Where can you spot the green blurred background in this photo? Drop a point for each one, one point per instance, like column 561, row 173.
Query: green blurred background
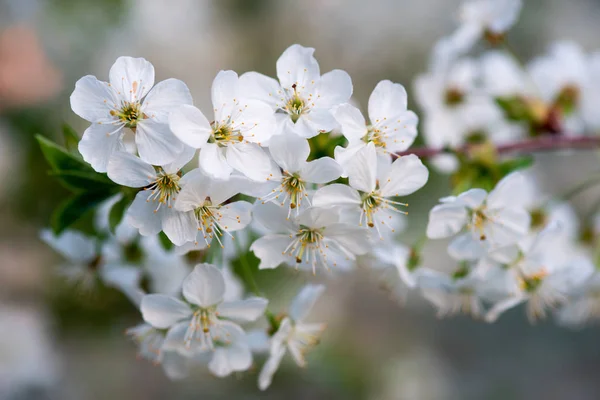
column 65, row 346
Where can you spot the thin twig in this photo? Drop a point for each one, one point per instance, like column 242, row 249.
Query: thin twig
column 540, row 144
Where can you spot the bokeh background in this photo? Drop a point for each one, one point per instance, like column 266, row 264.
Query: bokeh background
column 56, row 343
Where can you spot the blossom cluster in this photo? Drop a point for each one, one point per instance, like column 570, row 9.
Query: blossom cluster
column 263, row 171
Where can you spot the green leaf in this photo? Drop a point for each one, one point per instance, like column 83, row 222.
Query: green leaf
column 71, row 138
column 117, row 212
column 165, row 241
column 515, row 164
column 60, row 159
column 85, row 181
column 74, row 208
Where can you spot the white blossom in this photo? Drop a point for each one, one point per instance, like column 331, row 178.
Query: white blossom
column 128, row 101
column 302, row 99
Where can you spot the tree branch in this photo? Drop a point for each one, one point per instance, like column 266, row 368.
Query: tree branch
column 544, row 143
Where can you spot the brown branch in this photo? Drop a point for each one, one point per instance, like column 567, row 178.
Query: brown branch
column 545, row 143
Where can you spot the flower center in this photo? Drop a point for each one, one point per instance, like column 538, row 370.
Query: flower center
column 307, row 244
column 370, row 203
column 376, row 136
column 224, row 135
column 202, row 327
column 453, row 97
column 478, row 221
column 295, row 105
column 294, row 187
column 165, row 188
column 130, row 114
column 532, row 282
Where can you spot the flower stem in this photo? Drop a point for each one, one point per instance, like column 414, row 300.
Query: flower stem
column 535, row 145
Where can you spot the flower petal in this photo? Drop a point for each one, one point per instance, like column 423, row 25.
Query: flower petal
column 180, row 227
column 224, row 95
column 98, row 143
column 335, row 87
column 298, row 66
column 243, row 310
column 165, row 97
column 190, row 126
column 235, row 216
column 131, row 77
column 162, row 311
column 352, row 122
column 143, row 215
column 93, row 100
column 386, row 100
column 336, row 195
column 446, row 220
column 128, row 170
column 305, row 301
column 260, row 87
column 213, row 162
column 72, row 245
column 289, row 151
column 270, row 250
column 274, row 218
column 321, row 170
column 251, row 160
column 156, row 143
column 406, row 176
column 362, row 169
column 205, row 286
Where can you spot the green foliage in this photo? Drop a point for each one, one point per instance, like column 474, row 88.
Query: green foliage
column 164, row 241
column 324, row 144
column 117, row 212
column 89, row 187
column 71, row 138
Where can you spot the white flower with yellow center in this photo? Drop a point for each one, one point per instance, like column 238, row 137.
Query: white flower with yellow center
column 315, row 238
column 294, row 335
column 392, row 127
column 204, row 318
column 302, row 99
column 233, row 139
column 372, row 187
column 152, row 210
column 494, row 220
column 129, row 101
column 205, row 198
column 290, row 186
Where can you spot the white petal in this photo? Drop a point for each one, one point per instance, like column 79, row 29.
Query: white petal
column 400, row 132
column 194, row 192
column 466, row 247
column 353, row 239
column 142, row 214
column 253, row 85
column 165, row 97
column 446, row 220
column 269, row 249
column 180, row 227
column 224, row 94
column 322, row 170
column 472, row 198
column 305, row 301
column 289, row 151
column 98, row 143
column 235, row 216
column 336, row 195
column 511, row 191
column 346, row 155
column 386, row 101
column 335, row 87
column 72, row 245
column 255, row 120
column 251, row 160
column 508, row 226
column 175, row 365
column 128, row 170
column 274, row 218
column 162, row 311
column 362, row 169
column 494, row 313
column 93, row 100
column 190, row 126
column 221, row 190
column 269, row 368
column 131, row 77
column 156, row 143
column 213, row 162
column 352, row 122
column 240, row 357
column 297, row 65
column 318, row 120
column 243, row 310
column 318, row 217
column 406, row 176
column 205, row 286
column 180, row 160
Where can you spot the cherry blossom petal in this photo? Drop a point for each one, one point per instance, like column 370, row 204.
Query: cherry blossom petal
column 162, row 311
column 205, row 286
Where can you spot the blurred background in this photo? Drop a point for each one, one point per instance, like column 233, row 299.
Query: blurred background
column 56, row 343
